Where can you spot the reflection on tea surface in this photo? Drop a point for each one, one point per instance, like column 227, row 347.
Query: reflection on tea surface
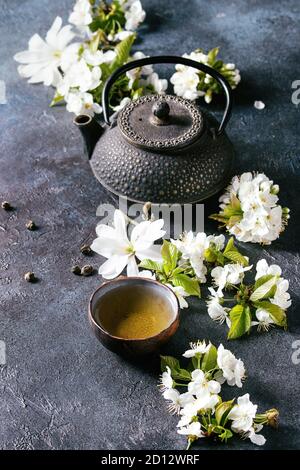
column 134, row 312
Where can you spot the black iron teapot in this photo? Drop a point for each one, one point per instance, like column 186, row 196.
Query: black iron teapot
column 160, row 148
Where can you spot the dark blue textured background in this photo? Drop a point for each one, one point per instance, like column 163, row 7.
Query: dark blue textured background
column 60, row 388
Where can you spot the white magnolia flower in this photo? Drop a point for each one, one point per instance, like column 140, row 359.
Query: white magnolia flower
column 193, row 430
column 178, row 400
column 261, row 220
column 98, row 57
column 114, row 244
column 134, row 15
column 79, row 75
column 41, row 61
column 197, row 348
column 166, row 381
column 264, row 320
column 200, row 386
column 185, row 83
column 159, row 85
column 81, row 14
column 214, row 308
column 192, row 249
column 233, row 369
column 242, row 414
column 254, row 437
column 230, row 274
column 82, row 103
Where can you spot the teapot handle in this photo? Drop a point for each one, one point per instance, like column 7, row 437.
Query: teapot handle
column 169, row 60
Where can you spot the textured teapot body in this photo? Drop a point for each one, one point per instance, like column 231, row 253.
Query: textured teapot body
column 160, row 148
column 189, row 174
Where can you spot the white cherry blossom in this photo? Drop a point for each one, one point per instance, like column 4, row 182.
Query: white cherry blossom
column 200, row 386
column 264, row 321
column 193, row 430
column 180, row 294
column 159, row 85
column 233, row 369
column 230, row 274
column 81, row 14
column 134, row 15
column 166, row 381
column 82, row 103
column 200, row 347
column 178, row 400
column 215, row 310
column 242, row 414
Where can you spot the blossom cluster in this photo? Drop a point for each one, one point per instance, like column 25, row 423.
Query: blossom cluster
column 250, row 210
column 202, row 411
column 77, row 59
column 262, row 304
column 188, row 262
column 191, row 83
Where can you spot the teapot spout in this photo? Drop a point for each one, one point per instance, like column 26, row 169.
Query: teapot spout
column 90, row 130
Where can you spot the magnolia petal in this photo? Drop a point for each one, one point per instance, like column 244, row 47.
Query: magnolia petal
column 120, row 224
column 52, row 33
column 113, row 266
column 132, row 268
column 153, row 253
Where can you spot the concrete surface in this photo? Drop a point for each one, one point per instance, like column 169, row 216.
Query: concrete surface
column 60, row 389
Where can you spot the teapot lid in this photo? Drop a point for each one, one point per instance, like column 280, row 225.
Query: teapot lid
column 158, row 122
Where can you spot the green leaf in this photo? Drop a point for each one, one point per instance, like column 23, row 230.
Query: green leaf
column 236, row 257
column 169, row 254
column 222, row 411
column 240, row 317
column 225, row 435
column 219, row 218
column 212, row 54
column 56, row 99
column 190, row 285
column 169, row 361
column 209, row 255
column 195, row 361
column 235, row 203
column 209, row 360
column 230, row 246
column 277, row 314
column 122, row 51
column 233, row 220
column 149, row 264
column 176, row 371
column 262, row 288
column 181, row 374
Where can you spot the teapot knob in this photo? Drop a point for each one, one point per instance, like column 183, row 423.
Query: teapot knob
column 161, row 111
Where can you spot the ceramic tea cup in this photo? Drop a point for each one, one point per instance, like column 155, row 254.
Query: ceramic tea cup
column 133, row 315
